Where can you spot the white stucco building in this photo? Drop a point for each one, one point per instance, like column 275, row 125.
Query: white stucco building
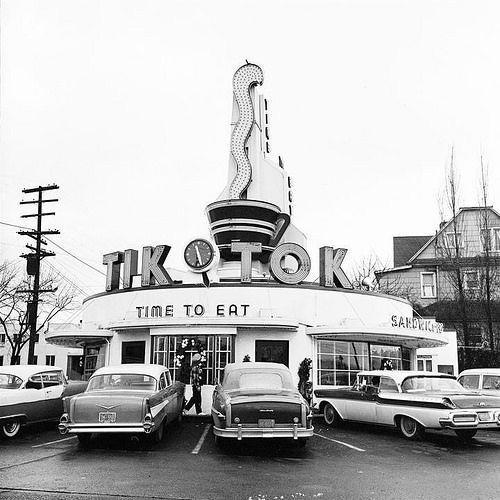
column 246, row 293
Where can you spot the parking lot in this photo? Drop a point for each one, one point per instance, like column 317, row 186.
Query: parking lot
column 353, row 461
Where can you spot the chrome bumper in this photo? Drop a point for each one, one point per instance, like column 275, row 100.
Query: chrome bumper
column 471, row 420
column 67, row 427
column 240, row 432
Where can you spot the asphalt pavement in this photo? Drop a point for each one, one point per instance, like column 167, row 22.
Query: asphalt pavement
column 350, row 462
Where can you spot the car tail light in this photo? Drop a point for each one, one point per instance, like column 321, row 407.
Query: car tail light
column 237, row 420
column 448, row 403
column 296, row 420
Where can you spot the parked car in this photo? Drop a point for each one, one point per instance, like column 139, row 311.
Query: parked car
column 32, row 393
column 412, row 401
column 130, row 398
column 259, row 400
column 484, row 380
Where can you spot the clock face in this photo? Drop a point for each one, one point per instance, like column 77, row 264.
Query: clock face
column 199, row 254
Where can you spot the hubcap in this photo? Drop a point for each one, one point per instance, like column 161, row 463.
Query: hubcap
column 409, row 426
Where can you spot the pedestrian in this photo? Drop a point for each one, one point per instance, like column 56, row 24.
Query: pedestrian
column 196, row 383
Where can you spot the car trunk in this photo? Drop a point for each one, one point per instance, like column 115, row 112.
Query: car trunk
column 128, row 406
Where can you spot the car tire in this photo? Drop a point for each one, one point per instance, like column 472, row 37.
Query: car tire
column 302, row 442
column 330, row 415
column 11, row 429
column 221, row 442
column 465, row 435
column 410, row 428
column 85, row 439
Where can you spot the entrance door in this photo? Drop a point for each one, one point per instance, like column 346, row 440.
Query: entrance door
column 272, row 351
column 133, row 352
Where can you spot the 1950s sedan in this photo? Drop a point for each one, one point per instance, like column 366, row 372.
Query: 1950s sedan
column 412, row 401
column 259, row 400
column 32, row 393
column 130, row 398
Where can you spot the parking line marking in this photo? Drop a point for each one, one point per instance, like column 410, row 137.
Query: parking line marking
column 200, row 441
column 340, row 442
column 53, row 442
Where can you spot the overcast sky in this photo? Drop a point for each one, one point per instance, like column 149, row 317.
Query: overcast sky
column 125, row 104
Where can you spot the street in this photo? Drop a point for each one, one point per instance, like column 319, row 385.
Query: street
column 353, row 461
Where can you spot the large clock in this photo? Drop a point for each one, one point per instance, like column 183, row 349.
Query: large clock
column 199, row 254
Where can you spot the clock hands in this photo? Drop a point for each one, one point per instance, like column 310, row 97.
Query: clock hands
column 198, row 254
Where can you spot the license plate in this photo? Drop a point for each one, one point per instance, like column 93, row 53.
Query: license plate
column 107, row 417
column 266, row 422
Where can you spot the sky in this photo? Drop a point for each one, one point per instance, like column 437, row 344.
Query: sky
column 125, row 104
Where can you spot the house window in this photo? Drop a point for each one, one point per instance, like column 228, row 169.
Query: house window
column 1, row 360
column 50, row 360
column 2, row 338
column 451, row 242
column 471, row 281
column 475, row 335
column 35, row 360
column 496, row 239
column 428, row 285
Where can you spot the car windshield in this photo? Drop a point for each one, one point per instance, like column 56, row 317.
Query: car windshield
column 431, row 384
column 122, row 381
column 242, row 379
column 8, row 381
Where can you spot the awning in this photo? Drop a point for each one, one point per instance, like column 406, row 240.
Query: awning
column 76, row 338
column 380, row 335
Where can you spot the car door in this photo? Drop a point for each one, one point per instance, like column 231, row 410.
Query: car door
column 362, row 400
column 386, row 409
column 34, row 402
column 53, row 387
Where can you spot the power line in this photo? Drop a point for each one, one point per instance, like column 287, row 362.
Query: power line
column 58, row 246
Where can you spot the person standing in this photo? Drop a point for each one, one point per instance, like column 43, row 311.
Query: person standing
column 196, row 383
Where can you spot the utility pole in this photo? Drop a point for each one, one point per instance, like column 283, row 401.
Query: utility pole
column 34, row 258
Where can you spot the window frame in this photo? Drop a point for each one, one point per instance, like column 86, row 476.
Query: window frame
column 434, row 284
column 460, row 239
column 466, row 282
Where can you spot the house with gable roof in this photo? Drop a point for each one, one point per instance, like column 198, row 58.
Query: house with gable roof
column 454, row 276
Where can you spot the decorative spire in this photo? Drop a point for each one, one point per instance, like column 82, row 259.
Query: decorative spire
column 244, row 79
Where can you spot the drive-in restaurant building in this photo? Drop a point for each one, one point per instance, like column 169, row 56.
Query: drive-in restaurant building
column 238, row 295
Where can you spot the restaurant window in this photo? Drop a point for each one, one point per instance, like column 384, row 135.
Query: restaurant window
column 93, row 359
column 406, row 354
column 50, row 360
column 338, row 362
column 428, row 285
column 1, row 360
column 35, row 360
column 219, row 351
column 383, row 355
column 2, row 338
column 424, row 365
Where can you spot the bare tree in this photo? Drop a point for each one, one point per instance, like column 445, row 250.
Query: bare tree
column 449, row 250
column 370, row 274
column 488, row 276
column 14, row 306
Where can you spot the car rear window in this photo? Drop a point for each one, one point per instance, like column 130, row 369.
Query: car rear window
column 8, row 381
column 122, row 381
column 258, row 380
column 491, row 382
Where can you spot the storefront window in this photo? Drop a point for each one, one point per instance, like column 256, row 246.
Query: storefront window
column 219, row 351
column 339, row 362
column 94, row 359
column 381, row 355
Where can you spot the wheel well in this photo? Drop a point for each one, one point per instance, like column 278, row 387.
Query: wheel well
column 397, row 419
